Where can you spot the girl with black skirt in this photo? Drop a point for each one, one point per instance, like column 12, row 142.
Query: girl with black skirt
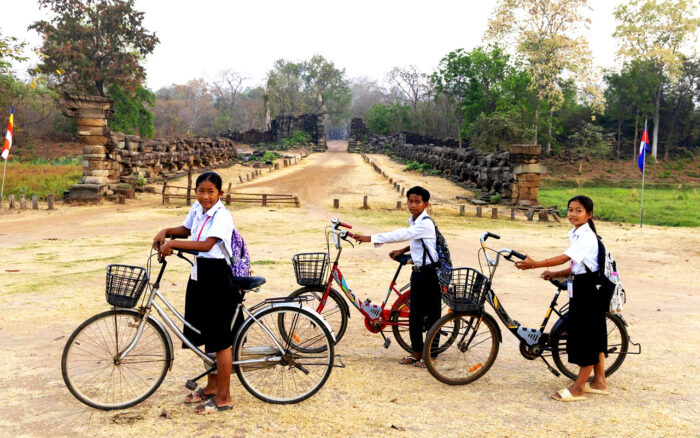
column 587, row 336
column 212, row 297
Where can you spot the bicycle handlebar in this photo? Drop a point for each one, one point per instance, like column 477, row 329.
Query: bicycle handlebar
column 337, row 223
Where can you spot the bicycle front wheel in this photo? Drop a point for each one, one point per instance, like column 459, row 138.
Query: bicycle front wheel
column 471, row 351
column 96, row 376
column 618, row 343
column 335, row 311
column 283, row 355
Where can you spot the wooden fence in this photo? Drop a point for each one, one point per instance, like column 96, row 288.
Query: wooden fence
column 229, row 197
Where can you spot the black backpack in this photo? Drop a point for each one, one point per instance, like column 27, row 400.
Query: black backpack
column 444, row 262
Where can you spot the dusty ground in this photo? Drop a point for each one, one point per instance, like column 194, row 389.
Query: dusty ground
column 52, row 278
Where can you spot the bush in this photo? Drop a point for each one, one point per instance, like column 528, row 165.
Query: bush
column 423, row 168
column 388, row 119
column 495, row 199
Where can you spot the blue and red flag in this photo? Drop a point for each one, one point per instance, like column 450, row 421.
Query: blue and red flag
column 643, row 148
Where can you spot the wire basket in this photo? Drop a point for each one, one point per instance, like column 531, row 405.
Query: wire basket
column 310, row 268
column 466, row 291
column 125, row 284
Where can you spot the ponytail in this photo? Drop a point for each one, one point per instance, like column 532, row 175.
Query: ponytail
column 587, row 204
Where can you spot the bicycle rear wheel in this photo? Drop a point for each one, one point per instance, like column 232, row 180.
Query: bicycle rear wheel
column 400, row 329
column 94, row 374
column 618, row 343
column 293, row 374
column 335, row 311
column 471, row 352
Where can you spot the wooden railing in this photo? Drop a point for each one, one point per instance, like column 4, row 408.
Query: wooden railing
column 229, row 197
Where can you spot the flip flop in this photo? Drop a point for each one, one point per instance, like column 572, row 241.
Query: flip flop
column 200, row 396
column 592, row 390
column 565, row 396
column 209, row 407
column 408, row 360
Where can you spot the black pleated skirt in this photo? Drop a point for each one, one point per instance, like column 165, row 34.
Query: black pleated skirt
column 210, row 305
column 587, row 333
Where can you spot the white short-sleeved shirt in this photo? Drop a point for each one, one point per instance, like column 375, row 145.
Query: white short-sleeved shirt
column 583, row 249
column 215, row 222
column 420, row 229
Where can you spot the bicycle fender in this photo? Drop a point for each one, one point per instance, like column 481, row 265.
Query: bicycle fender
column 498, row 327
column 167, row 336
column 559, row 322
column 618, row 315
column 292, row 305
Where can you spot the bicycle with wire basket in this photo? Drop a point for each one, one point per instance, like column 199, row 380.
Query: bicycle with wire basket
column 282, row 353
column 311, row 271
column 474, row 350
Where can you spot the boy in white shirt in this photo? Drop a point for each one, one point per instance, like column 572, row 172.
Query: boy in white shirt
column 425, row 287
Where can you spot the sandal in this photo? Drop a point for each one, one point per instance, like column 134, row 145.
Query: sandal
column 198, row 396
column 408, row 360
column 589, row 389
column 419, row 364
column 209, row 407
column 566, row 396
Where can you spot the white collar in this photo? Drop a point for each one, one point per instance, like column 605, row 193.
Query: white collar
column 580, row 230
column 214, row 208
column 420, row 217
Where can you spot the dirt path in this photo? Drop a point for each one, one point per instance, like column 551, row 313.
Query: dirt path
column 47, row 287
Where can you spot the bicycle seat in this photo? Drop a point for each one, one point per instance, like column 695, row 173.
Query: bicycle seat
column 248, row 283
column 404, row 259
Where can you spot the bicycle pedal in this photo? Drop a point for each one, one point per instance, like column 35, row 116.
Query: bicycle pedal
column 387, row 342
column 191, row 385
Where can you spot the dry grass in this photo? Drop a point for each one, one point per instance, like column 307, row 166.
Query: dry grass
column 60, row 283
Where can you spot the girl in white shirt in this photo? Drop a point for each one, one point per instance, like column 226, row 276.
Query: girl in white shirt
column 212, row 296
column 587, row 335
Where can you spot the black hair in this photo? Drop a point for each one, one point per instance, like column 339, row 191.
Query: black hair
column 420, row 191
column 212, row 177
column 587, row 204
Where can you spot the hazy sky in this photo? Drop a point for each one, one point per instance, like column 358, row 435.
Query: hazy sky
column 367, row 38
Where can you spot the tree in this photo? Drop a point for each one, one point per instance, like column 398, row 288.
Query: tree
column 325, row 88
column 11, row 49
column 656, row 32
column 130, row 113
column 284, row 88
column 92, row 44
column 452, row 80
column 547, row 33
column 388, row 119
column 408, row 85
column 680, row 104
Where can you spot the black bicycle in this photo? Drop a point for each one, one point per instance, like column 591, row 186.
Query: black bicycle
column 474, row 350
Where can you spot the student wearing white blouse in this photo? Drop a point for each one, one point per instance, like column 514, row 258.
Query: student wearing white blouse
column 587, row 335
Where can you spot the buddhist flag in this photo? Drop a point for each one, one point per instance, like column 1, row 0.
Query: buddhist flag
column 643, row 148
column 8, row 137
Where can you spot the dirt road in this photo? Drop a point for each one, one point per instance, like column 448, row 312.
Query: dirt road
column 47, row 287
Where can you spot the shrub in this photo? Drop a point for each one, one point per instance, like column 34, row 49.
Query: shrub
column 495, row 199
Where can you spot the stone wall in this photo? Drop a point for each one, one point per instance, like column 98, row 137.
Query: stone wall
column 282, row 127
column 514, row 174
column 113, row 158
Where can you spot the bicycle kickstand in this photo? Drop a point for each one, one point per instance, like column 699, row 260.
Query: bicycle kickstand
column 387, row 341
column 549, row 367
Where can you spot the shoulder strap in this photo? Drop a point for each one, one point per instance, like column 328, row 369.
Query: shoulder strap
column 425, row 248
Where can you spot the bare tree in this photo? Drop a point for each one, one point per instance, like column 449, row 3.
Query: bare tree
column 408, row 85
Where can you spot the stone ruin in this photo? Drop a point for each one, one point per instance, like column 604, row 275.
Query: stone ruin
column 282, row 127
column 515, row 174
column 112, row 159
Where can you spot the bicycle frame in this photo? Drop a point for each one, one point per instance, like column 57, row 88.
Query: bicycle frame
column 150, row 303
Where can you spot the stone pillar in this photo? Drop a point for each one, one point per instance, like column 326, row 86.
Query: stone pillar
column 92, row 113
column 525, row 161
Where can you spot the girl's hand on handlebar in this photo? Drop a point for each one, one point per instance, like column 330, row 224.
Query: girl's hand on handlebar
column 528, row 263
column 165, row 249
column 547, row 275
column 160, row 238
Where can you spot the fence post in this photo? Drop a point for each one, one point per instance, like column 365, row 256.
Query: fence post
column 240, row 178
column 494, row 213
column 530, row 213
column 543, row 216
column 364, row 203
column 512, row 214
column 296, row 202
column 189, row 182
column 461, row 210
column 228, row 194
column 35, row 202
column 49, row 198
column 164, row 193
column 398, row 205
column 22, row 203
column 264, row 200
column 478, row 211
column 402, row 188
column 336, row 203
column 11, row 200
column 121, row 199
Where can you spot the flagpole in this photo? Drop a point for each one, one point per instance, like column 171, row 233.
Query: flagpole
column 644, row 170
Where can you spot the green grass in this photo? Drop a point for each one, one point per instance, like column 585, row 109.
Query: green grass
column 41, row 177
column 662, row 206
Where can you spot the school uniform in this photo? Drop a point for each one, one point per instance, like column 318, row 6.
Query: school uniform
column 212, row 296
column 587, row 334
column 425, row 287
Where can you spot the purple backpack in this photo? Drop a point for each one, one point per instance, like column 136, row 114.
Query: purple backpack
column 240, row 261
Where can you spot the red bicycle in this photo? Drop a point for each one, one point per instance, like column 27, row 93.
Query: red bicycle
column 310, row 270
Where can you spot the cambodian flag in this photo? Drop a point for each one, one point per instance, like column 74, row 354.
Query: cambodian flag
column 7, row 144
column 643, row 148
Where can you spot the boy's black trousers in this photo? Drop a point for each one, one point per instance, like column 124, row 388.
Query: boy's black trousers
column 425, row 307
